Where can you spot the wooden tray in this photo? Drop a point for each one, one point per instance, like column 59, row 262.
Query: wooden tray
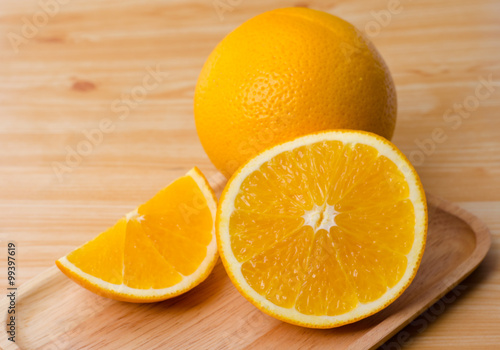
column 53, row 312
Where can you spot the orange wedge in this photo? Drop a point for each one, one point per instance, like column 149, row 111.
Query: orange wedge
column 323, row 230
column 163, row 248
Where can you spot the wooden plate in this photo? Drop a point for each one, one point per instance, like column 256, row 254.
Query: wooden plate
column 53, row 312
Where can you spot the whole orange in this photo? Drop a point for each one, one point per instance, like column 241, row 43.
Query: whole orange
column 286, row 73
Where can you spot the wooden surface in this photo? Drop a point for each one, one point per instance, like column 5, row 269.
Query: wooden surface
column 54, row 312
column 79, row 64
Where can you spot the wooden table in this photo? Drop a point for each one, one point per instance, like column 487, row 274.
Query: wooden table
column 73, row 66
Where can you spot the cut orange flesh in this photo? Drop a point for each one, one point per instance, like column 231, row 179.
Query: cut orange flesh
column 323, row 230
column 162, row 249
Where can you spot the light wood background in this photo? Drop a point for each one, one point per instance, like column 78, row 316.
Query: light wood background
column 66, row 68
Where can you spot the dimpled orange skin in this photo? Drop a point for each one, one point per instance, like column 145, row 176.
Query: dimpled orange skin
column 287, row 73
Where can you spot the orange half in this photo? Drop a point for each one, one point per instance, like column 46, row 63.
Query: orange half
column 323, row 230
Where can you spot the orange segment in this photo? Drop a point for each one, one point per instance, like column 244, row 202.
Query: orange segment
column 253, row 233
column 103, row 256
column 181, row 207
column 162, row 249
column 367, row 264
column 353, row 167
column 180, row 251
column 138, row 272
column 326, row 290
column 269, row 200
column 385, row 183
column 325, row 229
column 389, row 225
column 265, row 272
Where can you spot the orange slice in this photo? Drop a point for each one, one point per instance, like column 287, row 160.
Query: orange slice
column 323, row 230
column 163, row 248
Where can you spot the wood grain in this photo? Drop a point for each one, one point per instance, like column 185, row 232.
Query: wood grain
column 54, row 312
column 66, row 78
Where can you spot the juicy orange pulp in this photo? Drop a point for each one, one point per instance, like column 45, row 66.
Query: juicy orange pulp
column 155, row 247
column 323, row 228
